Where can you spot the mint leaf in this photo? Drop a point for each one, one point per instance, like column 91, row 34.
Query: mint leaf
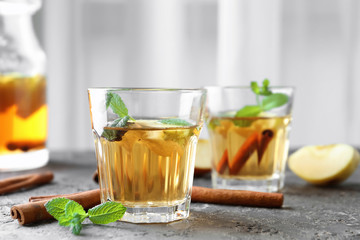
column 120, row 122
column 175, row 121
column 254, row 87
column 109, row 134
column 106, row 213
column 264, row 91
column 75, row 223
column 266, row 83
column 274, row 100
column 65, row 220
column 108, row 99
column 56, row 207
column 113, row 134
column 74, row 216
column 116, row 103
column 249, row 111
column 76, row 228
column 73, row 207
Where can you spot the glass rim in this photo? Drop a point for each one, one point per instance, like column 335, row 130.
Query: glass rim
column 137, row 89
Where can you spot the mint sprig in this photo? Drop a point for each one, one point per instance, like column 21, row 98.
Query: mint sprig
column 271, row 100
column 71, row 214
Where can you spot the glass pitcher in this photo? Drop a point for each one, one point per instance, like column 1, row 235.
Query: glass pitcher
column 23, row 108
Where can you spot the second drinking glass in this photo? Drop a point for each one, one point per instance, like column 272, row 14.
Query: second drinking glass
column 249, row 136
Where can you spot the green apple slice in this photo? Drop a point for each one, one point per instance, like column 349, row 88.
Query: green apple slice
column 324, row 165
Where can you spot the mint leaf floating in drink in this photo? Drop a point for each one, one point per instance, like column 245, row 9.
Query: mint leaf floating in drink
column 271, row 100
column 249, row 111
column 120, row 122
column 175, row 121
column 71, row 214
column 110, row 134
column 106, row 213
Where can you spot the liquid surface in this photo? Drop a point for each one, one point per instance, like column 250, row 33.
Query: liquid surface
column 23, row 113
column 249, row 148
column 147, row 164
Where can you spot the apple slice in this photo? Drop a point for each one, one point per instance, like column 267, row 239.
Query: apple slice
column 202, row 158
column 324, row 165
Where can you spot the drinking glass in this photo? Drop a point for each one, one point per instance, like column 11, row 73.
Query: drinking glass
column 249, row 147
column 145, row 143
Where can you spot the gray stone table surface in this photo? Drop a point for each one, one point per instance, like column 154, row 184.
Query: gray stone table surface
column 308, row 213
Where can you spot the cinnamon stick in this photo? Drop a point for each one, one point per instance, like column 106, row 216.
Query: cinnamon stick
column 223, row 163
column 13, row 184
column 237, row 197
column 198, row 172
column 243, row 154
column 264, row 140
column 35, row 211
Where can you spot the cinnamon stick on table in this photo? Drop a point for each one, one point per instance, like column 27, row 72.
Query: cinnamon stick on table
column 13, row 184
column 237, row 197
column 35, row 210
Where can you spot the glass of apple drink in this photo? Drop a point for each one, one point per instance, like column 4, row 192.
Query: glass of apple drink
column 249, row 128
column 145, row 142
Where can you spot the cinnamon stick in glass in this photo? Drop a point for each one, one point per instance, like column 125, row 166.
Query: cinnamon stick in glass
column 264, row 140
column 242, row 155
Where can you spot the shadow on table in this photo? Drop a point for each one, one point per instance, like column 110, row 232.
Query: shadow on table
column 217, row 224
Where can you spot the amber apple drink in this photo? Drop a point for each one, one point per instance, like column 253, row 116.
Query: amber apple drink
column 249, row 148
column 147, row 163
column 23, row 118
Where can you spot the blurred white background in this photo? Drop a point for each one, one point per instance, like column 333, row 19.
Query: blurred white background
column 312, row 45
